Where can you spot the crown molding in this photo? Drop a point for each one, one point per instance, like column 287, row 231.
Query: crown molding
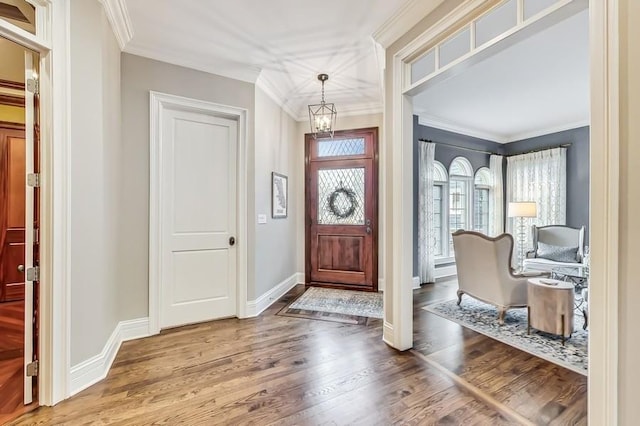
column 439, row 123
column 118, row 17
column 228, row 69
column 404, row 19
column 547, row 131
column 271, row 90
column 426, row 120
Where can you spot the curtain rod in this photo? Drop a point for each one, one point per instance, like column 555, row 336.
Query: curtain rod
column 564, row 145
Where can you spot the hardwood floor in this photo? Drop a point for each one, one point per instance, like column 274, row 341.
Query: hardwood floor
column 11, row 359
column 290, row 371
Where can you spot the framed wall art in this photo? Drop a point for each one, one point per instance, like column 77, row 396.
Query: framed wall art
column 279, row 195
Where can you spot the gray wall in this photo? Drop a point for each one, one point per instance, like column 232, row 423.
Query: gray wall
column 577, row 169
column 95, row 163
column 139, row 76
column 445, row 154
column 275, row 249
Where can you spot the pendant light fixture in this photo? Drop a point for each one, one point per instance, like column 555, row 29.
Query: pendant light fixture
column 322, row 116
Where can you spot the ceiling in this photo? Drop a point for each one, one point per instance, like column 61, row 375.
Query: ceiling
column 281, row 44
column 537, row 86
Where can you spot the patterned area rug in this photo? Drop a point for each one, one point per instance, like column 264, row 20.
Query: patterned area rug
column 345, row 306
column 482, row 318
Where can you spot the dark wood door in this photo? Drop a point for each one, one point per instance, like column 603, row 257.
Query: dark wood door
column 12, row 213
column 342, row 210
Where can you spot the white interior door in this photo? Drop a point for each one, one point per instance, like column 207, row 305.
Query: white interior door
column 198, row 219
column 30, row 76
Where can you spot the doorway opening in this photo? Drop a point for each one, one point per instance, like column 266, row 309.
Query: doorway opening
column 19, row 223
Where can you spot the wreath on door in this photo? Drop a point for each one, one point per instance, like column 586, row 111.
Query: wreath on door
column 343, row 211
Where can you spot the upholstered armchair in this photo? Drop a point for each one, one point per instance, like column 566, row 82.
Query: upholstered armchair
column 485, row 273
column 555, row 246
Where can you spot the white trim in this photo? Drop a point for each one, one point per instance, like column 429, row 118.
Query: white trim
column 416, row 283
column 118, row 16
column 22, row 37
column 300, row 277
column 381, row 284
column 387, row 333
column 157, row 103
column 97, row 367
column 449, row 126
column 604, row 218
column 229, row 69
column 403, row 19
column 256, row 307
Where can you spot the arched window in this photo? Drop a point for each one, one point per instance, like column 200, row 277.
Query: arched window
column 482, row 186
column 460, row 196
column 439, row 206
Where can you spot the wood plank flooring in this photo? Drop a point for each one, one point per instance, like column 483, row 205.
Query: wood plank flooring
column 290, row 371
column 11, row 359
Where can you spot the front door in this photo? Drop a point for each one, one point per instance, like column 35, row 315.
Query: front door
column 342, row 210
column 198, row 219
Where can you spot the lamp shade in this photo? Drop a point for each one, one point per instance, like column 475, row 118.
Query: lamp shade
column 522, row 209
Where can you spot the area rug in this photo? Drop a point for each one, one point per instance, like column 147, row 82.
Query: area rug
column 482, row 318
column 345, row 306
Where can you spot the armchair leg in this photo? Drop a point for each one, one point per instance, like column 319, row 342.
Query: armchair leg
column 501, row 314
column 460, row 293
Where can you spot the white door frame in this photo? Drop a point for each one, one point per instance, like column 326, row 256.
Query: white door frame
column 604, row 193
column 158, row 103
column 52, row 33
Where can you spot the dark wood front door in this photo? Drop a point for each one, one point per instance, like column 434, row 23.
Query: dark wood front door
column 341, row 186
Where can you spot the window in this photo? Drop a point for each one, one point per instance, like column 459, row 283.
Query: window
column 460, row 179
column 482, row 184
column 460, row 201
column 439, row 193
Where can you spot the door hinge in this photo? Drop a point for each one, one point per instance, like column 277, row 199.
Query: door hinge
column 33, row 86
column 33, row 274
column 33, row 180
column 32, row 369
column 36, row 236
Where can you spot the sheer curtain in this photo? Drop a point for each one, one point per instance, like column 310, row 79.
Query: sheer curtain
column 496, row 198
column 540, row 177
column 426, row 240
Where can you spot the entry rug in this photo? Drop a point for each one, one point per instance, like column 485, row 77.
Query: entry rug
column 345, row 306
column 483, row 318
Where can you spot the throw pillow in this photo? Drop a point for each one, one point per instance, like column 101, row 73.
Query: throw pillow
column 557, row 253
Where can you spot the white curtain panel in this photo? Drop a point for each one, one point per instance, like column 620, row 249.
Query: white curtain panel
column 496, row 198
column 426, row 238
column 541, row 177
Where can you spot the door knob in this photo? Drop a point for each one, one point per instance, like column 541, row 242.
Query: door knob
column 232, row 241
column 368, row 230
column 20, row 268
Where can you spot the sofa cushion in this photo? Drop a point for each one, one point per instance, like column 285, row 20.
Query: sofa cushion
column 545, row 265
column 557, row 253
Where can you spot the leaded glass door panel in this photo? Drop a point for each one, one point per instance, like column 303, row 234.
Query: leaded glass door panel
column 341, row 210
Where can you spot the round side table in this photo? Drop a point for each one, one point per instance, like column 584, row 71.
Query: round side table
column 550, row 306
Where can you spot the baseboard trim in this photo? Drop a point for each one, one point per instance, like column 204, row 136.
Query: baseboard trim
column 256, row 307
column 416, row 282
column 387, row 333
column 96, row 368
column 380, row 284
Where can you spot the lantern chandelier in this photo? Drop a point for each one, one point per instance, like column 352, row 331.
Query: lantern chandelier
column 322, row 116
